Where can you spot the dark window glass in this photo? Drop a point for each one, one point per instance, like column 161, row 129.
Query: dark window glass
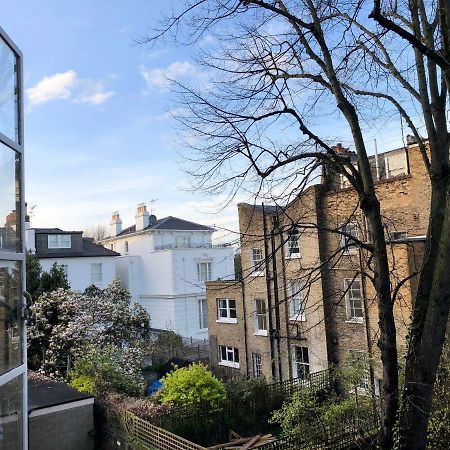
column 10, row 323
column 11, row 415
column 8, row 93
column 9, row 200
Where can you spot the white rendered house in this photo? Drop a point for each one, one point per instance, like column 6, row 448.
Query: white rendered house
column 164, row 264
column 84, row 262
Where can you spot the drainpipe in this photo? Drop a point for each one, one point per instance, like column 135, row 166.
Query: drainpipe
column 245, row 328
column 276, row 299
column 269, row 294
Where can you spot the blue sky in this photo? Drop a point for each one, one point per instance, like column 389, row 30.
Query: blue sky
column 98, row 134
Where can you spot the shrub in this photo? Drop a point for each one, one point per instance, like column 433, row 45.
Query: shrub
column 192, row 386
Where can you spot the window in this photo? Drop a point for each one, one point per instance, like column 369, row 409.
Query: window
column 96, row 273
column 293, row 249
column 226, row 310
column 260, row 317
column 59, row 241
column 358, row 362
column 397, row 235
column 347, row 243
column 183, row 242
column 126, row 246
column 257, row 261
column 297, row 304
column 257, row 365
column 353, row 299
column 202, row 313
column 301, row 362
column 204, row 271
column 228, row 356
column 65, row 268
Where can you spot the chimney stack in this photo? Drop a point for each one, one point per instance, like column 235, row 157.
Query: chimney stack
column 116, row 224
column 142, row 217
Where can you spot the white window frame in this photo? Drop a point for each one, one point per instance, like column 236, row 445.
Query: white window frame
column 202, row 314
column 348, row 246
column 231, row 356
column 350, row 298
column 293, row 243
column 300, row 366
column 59, row 241
column 257, row 262
column 260, row 317
column 228, row 308
column 297, row 295
column 95, row 278
column 65, row 268
column 257, row 365
column 200, row 274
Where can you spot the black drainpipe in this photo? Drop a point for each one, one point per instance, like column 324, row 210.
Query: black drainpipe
column 269, row 294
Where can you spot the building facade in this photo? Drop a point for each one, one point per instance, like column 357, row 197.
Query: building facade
column 164, row 264
column 13, row 367
column 84, row 262
column 306, row 300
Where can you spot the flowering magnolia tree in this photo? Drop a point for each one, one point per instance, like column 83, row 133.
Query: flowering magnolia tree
column 66, row 322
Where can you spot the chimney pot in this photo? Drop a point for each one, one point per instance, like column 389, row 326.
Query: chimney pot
column 142, row 217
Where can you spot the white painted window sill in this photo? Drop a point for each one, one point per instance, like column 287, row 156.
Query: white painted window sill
column 297, row 319
column 355, row 320
column 229, row 364
column 293, row 256
column 261, row 333
column 257, row 274
column 231, row 320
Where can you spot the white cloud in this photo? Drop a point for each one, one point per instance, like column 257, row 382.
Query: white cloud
column 161, row 77
column 57, row 86
column 67, row 86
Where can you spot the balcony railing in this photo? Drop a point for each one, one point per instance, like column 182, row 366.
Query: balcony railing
column 183, row 245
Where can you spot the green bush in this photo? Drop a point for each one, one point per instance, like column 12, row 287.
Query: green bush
column 192, row 386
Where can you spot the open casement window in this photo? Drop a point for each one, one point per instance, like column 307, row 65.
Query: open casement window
column 300, row 362
column 226, row 310
column 204, row 271
column 202, row 314
column 228, row 356
column 292, row 244
column 297, row 302
column 353, row 300
column 347, row 243
column 257, row 261
column 257, row 365
column 260, row 317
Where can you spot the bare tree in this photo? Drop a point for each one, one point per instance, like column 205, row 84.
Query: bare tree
column 97, row 232
column 278, row 68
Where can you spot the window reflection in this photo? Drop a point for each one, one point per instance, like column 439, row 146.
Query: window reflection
column 8, row 93
column 11, row 415
column 10, row 304
column 9, row 200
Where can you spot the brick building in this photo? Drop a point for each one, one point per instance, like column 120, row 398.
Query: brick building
column 306, row 299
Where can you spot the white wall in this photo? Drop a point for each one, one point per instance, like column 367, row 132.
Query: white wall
column 79, row 270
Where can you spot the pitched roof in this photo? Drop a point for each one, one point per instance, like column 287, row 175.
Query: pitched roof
column 169, row 223
column 89, row 249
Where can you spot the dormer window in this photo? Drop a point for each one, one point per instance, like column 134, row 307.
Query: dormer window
column 59, row 241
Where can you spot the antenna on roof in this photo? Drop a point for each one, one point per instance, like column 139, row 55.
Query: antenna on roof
column 152, row 201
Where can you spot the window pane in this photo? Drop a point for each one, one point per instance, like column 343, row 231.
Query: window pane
column 11, row 414
column 9, row 200
column 10, row 323
column 8, row 93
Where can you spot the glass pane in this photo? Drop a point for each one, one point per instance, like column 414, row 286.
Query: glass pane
column 9, row 200
column 8, row 93
column 11, row 415
column 10, row 323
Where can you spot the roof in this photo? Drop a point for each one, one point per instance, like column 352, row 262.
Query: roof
column 44, row 393
column 268, row 209
column 54, row 231
column 90, row 249
column 168, row 223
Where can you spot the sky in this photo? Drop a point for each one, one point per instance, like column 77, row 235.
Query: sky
column 98, row 134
